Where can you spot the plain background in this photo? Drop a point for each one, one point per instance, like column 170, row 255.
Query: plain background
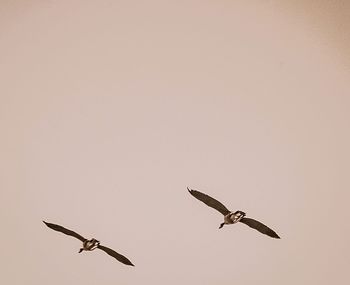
column 110, row 109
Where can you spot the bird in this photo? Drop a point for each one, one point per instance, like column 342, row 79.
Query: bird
column 232, row 217
column 89, row 245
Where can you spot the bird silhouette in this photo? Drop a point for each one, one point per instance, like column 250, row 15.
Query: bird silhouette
column 89, row 245
column 232, row 217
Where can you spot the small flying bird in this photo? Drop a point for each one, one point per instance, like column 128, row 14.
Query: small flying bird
column 89, row 245
column 232, row 217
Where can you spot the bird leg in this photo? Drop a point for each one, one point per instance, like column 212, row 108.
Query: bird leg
column 221, row 225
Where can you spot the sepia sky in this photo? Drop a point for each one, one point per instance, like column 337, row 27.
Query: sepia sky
column 110, row 109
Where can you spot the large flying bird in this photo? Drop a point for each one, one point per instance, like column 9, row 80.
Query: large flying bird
column 89, row 245
column 232, row 217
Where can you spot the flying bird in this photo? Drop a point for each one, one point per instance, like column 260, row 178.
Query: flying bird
column 232, row 217
column 89, row 245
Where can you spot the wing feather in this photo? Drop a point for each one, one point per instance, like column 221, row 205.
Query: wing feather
column 116, row 255
column 259, row 227
column 209, row 201
column 65, row 231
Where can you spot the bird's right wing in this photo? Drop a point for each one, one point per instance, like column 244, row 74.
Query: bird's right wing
column 209, row 201
column 65, row 231
column 116, row 255
column 259, row 227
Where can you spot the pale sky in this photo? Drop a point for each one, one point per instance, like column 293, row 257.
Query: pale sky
column 110, row 109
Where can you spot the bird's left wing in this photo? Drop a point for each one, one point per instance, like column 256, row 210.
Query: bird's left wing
column 116, row 255
column 65, row 231
column 209, row 201
column 259, row 227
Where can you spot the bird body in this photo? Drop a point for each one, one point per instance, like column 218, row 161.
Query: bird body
column 89, row 245
column 232, row 217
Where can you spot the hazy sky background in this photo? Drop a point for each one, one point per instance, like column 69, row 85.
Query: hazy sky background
column 109, row 109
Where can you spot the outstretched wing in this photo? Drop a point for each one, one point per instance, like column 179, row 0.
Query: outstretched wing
column 65, row 231
column 259, row 226
column 211, row 202
column 116, row 255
